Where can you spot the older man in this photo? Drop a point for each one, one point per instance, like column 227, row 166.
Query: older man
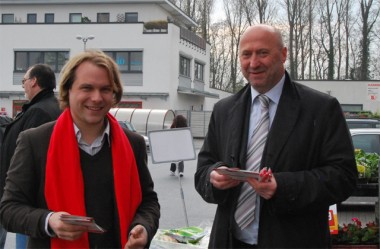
column 295, row 136
column 42, row 107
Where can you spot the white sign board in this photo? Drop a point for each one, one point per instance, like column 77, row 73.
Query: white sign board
column 171, row 145
column 373, row 91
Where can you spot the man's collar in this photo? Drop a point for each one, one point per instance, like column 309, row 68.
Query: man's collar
column 106, row 131
column 273, row 94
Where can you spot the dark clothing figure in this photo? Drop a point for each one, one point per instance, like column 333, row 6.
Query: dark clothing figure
column 173, row 168
column 43, row 108
column 179, row 121
column 38, row 83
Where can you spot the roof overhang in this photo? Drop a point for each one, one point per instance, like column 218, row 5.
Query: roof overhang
column 7, row 94
column 191, row 91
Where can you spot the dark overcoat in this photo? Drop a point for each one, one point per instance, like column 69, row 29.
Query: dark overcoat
column 310, row 151
column 41, row 109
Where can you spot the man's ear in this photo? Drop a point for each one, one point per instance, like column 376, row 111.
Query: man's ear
column 34, row 82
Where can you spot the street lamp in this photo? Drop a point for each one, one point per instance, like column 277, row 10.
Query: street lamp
column 85, row 39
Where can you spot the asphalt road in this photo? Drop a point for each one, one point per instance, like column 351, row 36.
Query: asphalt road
column 174, row 205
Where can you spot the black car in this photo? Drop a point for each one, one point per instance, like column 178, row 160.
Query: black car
column 128, row 125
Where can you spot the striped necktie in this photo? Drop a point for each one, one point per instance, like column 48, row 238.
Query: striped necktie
column 245, row 211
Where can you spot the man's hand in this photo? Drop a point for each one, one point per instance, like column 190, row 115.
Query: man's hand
column 220, row 181
column 138, row 238
column 266, row 186
column 64, row 230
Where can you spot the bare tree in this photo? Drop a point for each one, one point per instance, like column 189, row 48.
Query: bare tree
column 220, row 56
column 235, row 25
column 259, row 11
column 369, row 17
column 328, row 33
column 333, row 41
column 348, row 25
column 297, row 14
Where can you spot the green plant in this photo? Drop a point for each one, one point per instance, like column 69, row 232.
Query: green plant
column 367, row 164
column 354, row 234
column 160, row 24
column 85, row 19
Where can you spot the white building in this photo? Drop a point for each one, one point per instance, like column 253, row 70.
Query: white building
column 163, row 65
column 353, row 95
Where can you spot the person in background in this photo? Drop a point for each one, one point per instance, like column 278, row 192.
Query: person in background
column 82, row 164
column 179, row 121
column 297, row 138
column 39, row 83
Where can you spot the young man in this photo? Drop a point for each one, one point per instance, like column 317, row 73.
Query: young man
column 83, row 164
column 305, row 145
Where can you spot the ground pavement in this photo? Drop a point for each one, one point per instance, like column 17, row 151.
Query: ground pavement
column 199, row 213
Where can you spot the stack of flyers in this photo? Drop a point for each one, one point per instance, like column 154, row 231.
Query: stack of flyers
column 238, row 174
column 89, row 222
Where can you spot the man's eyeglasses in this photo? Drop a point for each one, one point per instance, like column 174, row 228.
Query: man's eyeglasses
column 23, row 80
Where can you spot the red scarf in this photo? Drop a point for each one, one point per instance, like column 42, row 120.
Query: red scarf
column 64, row 188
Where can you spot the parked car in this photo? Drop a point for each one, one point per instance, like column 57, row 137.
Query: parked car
column 128, row 125
column 367, row 139
column 354, row 123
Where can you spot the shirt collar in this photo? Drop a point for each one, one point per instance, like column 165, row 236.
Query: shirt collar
column 273, row 94
column 106, row 131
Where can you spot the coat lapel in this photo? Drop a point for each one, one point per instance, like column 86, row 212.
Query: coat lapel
column 283, row 123
column 239, row 119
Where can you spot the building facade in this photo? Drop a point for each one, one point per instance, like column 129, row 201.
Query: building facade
column 163, row 64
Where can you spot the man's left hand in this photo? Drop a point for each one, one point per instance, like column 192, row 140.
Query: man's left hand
column 265, row 187
column 138, row 238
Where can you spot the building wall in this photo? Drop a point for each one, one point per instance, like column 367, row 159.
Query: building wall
column 349, row 92
column 161, row 51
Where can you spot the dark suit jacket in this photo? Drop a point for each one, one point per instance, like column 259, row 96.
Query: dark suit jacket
column 310, row 151
column 23, row 208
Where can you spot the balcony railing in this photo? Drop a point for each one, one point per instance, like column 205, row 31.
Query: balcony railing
column 191, row 37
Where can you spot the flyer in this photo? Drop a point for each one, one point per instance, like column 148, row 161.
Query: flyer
column 89, row 222
column 238, row 174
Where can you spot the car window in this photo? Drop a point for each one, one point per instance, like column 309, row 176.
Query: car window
column 130, row 126
column 367, row 142
column 355, row 125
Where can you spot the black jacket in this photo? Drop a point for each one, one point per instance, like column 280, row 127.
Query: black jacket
column 41, row 109
column 23, row 207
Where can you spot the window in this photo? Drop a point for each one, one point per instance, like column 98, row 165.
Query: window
column 32, row 18
column 184, row 66
column 75, row 17
column 103, row 17
column 49, row 18
column 25, row 59
column 7, row 18
column 131, row 17
column 368, row 142
column 198, row 74
column 130, row 104
column 128, row 61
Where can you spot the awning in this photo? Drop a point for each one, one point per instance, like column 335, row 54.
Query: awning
column 192, row 91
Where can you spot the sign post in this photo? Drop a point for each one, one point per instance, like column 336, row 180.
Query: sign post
column 172, row 145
